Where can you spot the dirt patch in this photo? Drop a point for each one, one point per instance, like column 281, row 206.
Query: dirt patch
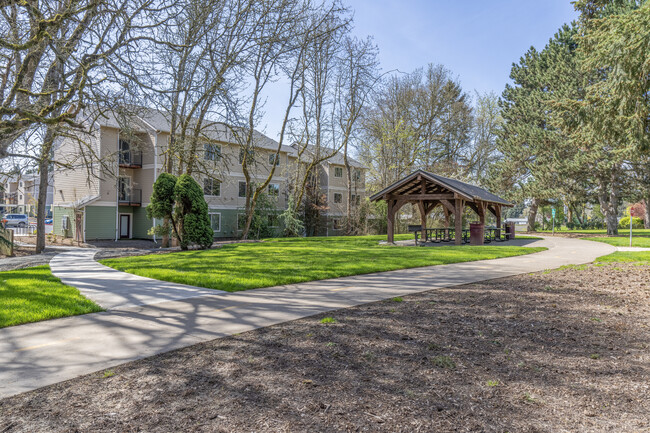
column 566, row 350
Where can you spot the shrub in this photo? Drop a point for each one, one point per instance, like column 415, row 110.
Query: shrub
column 181, row 201
column 192, row 213
column 293, row 226
column 624, row 223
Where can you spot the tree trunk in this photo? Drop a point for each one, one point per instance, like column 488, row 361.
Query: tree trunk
column 532, row 214
column 42, row 202
column 44, row 173
column 646, row 219
column 608, row 199
column 165, row 238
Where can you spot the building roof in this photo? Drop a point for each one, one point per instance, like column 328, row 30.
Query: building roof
column 337, row 158
column 465, row 190
column 149, row 118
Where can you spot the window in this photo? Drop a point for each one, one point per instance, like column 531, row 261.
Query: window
column 125, row 152
column 21, row 183
column 273, row 220
column 251, row 155
column 124, row 188
column 353, row 200
column 356, row 174
column 242, row 189
column 274, row 159
column 338, row 197
column 215, row 220
column 274, row 189
column 211, row 187
column 358, row 201
column 338, row 171
column 212, row 152
column 336, row 224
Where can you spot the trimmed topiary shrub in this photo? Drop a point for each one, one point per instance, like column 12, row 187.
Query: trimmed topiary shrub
column 192, row 213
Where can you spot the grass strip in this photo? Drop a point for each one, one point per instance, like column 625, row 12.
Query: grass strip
column 282, row 261
column 34, row 294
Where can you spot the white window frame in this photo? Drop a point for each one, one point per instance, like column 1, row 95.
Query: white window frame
column 216, row 151
column 340, row 198
column 273, row 159
column 212, row 212
column 212, row 187
column 338, row 170
column 239, row 189
column 276, row 193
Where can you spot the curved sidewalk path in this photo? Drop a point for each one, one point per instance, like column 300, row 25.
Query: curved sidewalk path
column 112, row 289
column 44, row 353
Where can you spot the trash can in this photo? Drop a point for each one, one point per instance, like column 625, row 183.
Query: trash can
column 476, row 234
column 510, row 230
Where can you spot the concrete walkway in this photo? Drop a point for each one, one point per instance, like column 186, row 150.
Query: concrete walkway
column 112, row 289
column 43, row 353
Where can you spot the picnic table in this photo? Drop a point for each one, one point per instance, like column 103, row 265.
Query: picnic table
column 448, row 234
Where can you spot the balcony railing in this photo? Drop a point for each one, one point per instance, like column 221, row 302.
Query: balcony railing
column 132, row 197
column 131, row 158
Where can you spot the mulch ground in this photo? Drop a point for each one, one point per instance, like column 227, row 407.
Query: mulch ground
column 566, row 350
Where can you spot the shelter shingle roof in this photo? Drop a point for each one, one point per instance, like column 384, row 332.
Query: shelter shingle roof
column 469, row 191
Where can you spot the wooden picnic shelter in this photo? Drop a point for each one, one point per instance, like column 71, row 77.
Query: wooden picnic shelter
column 428, row 190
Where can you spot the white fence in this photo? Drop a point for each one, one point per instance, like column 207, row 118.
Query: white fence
column 30, row 230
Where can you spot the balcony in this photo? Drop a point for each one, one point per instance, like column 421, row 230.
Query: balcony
column 132, row 197
column 130, row 158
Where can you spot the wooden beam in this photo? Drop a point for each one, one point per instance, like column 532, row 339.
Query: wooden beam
column 447, row 216
column 420, row 196
column 449, row 207
column 479, row 208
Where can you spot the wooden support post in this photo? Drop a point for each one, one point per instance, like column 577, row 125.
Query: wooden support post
column 458, row 215
column 423, row 220
column 423, row 212
column 390, row 229
column 497, row 209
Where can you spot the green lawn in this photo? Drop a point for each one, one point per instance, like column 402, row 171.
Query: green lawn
column 621, row 232
column 623, row 241
column 641, row 257
column 292, row 260
column 34, row 294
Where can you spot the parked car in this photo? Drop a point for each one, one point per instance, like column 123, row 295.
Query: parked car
column 15, row 220
column 48, row 221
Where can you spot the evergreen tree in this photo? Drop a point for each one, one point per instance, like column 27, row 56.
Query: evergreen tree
column 538, row 158
column 192, row 213
column 179, row 202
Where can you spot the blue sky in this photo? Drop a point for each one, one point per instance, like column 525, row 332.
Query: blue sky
column 477, row 40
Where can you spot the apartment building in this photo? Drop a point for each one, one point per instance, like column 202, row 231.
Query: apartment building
column 21, row 194
column 332, row 179
column 106, row 198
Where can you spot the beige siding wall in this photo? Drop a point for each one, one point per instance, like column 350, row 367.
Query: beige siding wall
column 79, row 181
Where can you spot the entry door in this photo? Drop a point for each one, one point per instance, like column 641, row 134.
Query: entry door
column 125, row 226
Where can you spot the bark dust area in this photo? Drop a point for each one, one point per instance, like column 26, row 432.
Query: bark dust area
column 561, row 351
